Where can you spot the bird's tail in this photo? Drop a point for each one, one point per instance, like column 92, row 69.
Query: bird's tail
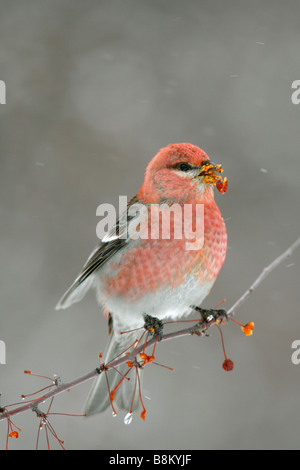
column 127, row 395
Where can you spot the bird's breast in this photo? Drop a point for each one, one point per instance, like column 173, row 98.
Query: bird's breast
column 162, row 265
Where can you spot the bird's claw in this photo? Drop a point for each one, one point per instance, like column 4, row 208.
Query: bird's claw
column 154, row 326
column 211, row 315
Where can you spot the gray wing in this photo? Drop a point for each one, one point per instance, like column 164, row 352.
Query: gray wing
column 98, row 257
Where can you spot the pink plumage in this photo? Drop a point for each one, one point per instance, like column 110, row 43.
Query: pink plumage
column 156, row 276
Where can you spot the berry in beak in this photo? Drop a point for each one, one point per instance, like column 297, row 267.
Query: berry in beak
column 211, row 174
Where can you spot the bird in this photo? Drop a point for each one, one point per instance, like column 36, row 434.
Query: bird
column 159, row 275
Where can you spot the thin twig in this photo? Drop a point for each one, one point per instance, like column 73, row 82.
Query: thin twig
column 263, row 275
column 61, row 387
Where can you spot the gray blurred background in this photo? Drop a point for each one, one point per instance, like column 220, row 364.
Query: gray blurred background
column 94, row 90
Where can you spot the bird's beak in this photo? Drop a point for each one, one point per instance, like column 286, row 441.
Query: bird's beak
column 211, row 174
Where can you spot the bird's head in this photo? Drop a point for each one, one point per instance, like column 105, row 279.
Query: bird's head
column 179, row 172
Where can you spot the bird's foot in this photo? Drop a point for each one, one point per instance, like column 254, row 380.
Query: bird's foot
column 211, row 315
column 154, row 326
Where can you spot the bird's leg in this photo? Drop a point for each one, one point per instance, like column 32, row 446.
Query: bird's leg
column 154, row 326
column 209, row 315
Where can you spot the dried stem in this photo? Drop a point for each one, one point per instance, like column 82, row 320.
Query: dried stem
column 201, row 329
column 263, row 275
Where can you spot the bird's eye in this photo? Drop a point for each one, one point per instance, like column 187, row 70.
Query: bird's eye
column 184, row 167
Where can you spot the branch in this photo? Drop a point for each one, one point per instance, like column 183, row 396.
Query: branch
column 200, row 329
column 263, row 275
